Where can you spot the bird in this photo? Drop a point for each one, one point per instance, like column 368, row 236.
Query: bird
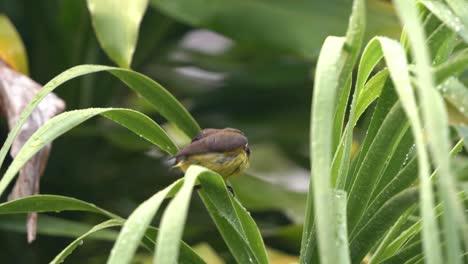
column 225, row 151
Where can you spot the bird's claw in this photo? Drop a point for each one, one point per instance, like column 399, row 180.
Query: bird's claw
column 231, row 190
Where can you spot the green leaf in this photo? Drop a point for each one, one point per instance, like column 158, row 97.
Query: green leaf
column 400, row 182
column 137, row 223
column 230, row 229
column 341, row 228
column 251, row 231
column 452, row 67
column 441, row 40
column 395, row 58
column 354, row 38
column 323, row 105
column 456, row 94
column 273, row 197
column 334, row 67
column 378, row 254
column 79, row 241
column 369, row 93
column 436, row 124
column 405, row 254
column 234, row 223
column 245, row 240
column 401, row 155
column 164, row 102
column 370, row 57
column 447, row 16
column 54, row 226
column 463, row 132
column 57, row 126
column 279, row 25
column 365, row 238
column 410, row 232
column 374, row 163
column 460, row 8
column 403, row 180
column 50, row 203
column 154, row 93
column 173, row 220
column 116, row 25
column 385, row 103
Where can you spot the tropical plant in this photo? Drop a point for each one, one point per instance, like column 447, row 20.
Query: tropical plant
column 396, row 200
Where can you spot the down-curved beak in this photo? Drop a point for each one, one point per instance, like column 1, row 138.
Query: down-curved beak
column 247, row 150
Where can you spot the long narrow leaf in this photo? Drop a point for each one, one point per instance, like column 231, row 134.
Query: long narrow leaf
column 435, row 120
column 369, row 93
column 251, row 231
column 405, row 254
column 173, row 219
column 77, row 242
column 377, row 255
column 234, row 223
column 154, row 93
column 342, row 247
column 374, row 163
column 447, row 16
column 456, row 94
column 395, row 57
column 460, row 8
column 452, row 67
column 134, row 121
column 380, row 222
column 325, row 89
column 409, row 233
column 54, row 226
column 50, row 203
column 116, row 25
column 353, row 42
column 137, row 223
column 402, row 154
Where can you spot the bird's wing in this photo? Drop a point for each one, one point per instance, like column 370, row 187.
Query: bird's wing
column 216, row 142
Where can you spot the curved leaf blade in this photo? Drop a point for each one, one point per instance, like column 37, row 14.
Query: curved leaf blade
column 234, row 223
column 116, row 25
column 452, row 67
column 374, row 162
column 55, row 226
column 238, row 229
column 77, row 242
column 395, row 58
column 154, row 93
column 173, row 219
column 436, row 121
column 134, row 228
column 447, row 16
column 50, row 203
column 380, row 222
column 55, row 127
column 325, row 89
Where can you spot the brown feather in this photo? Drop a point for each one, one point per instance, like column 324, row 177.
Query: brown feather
column 213, row 140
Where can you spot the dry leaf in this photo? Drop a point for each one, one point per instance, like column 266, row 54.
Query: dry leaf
column 16, row 91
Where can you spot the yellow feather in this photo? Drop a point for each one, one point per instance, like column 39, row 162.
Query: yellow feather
column 226, row 164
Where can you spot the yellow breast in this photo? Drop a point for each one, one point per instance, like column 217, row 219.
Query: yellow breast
column 226, row 164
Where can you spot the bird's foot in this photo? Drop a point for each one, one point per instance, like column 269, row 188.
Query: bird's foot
column 231, row 190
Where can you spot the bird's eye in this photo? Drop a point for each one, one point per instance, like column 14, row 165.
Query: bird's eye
column 247, row 150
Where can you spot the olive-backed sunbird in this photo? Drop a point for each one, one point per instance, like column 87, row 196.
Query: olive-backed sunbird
column 225, row 151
